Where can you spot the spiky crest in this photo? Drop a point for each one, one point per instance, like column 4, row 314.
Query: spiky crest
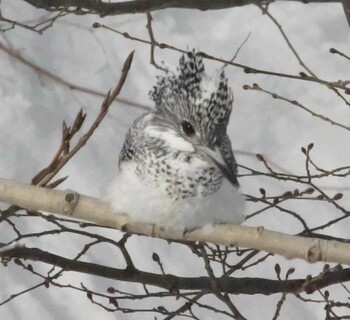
column 190, row 95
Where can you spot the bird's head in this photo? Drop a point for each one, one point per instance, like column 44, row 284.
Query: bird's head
column 197, row 109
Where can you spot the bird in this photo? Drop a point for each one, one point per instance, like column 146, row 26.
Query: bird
column 176, row 167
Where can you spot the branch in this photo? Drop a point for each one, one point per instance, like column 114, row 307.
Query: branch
column 38, row 27
column 143, row 6
column 88, row 208
column 171, row 282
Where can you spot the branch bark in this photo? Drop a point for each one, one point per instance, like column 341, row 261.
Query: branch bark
column 171, row 282
column 143, row 6
column 88, row 208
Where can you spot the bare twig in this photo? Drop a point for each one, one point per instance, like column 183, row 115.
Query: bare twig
column 65, row 83
column 16, row 295
column 66, row 156
column 153, row 42
column 38, row 27
column 297, row 104
column 285, row 37
column 215, row 288
column 247, row 69
column 342, row 54
column 238, row 50
column 185, row 307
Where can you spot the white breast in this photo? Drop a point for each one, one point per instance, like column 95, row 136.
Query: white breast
column 144, row 203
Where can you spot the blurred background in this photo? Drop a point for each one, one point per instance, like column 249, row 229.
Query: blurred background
column 33, row 106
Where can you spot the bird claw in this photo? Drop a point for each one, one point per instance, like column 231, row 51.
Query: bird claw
column 156, row 230
column 153, row 234
column 187, row 231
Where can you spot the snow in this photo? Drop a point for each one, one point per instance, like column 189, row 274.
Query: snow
column 33, row 107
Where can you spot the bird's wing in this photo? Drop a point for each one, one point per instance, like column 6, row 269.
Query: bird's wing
column 227, row 154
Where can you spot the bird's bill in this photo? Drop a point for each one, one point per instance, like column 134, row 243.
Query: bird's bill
column 214, row 156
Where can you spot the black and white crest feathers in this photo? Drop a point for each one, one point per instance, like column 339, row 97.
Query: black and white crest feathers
column 190, row 95
column 186, row 81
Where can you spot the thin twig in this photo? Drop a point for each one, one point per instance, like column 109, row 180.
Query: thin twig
column 285, row 37
column 103, row 111
column 238, row 50
column 214, row 285
column 154, row 43
column 185, row 307
column 246, row 68
column 16, row 295
column 48, row 23
column 342, row 54
column 297, row 104
column 65, row 83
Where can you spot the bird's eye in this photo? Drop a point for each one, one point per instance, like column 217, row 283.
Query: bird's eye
column 187, row 128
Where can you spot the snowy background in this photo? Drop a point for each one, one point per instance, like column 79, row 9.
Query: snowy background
column 33, row 107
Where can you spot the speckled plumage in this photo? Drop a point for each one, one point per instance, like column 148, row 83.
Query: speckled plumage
column 177, row 161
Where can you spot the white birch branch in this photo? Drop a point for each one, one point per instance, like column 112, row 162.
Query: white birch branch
column 69, row 203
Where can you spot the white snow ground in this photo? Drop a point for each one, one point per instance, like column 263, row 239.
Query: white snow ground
column 33, row 108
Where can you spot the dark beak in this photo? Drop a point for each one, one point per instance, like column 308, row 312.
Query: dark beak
column 214, row 155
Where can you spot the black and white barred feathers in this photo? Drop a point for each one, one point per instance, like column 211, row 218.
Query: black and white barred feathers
column 190, row 94
column 176, row 167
